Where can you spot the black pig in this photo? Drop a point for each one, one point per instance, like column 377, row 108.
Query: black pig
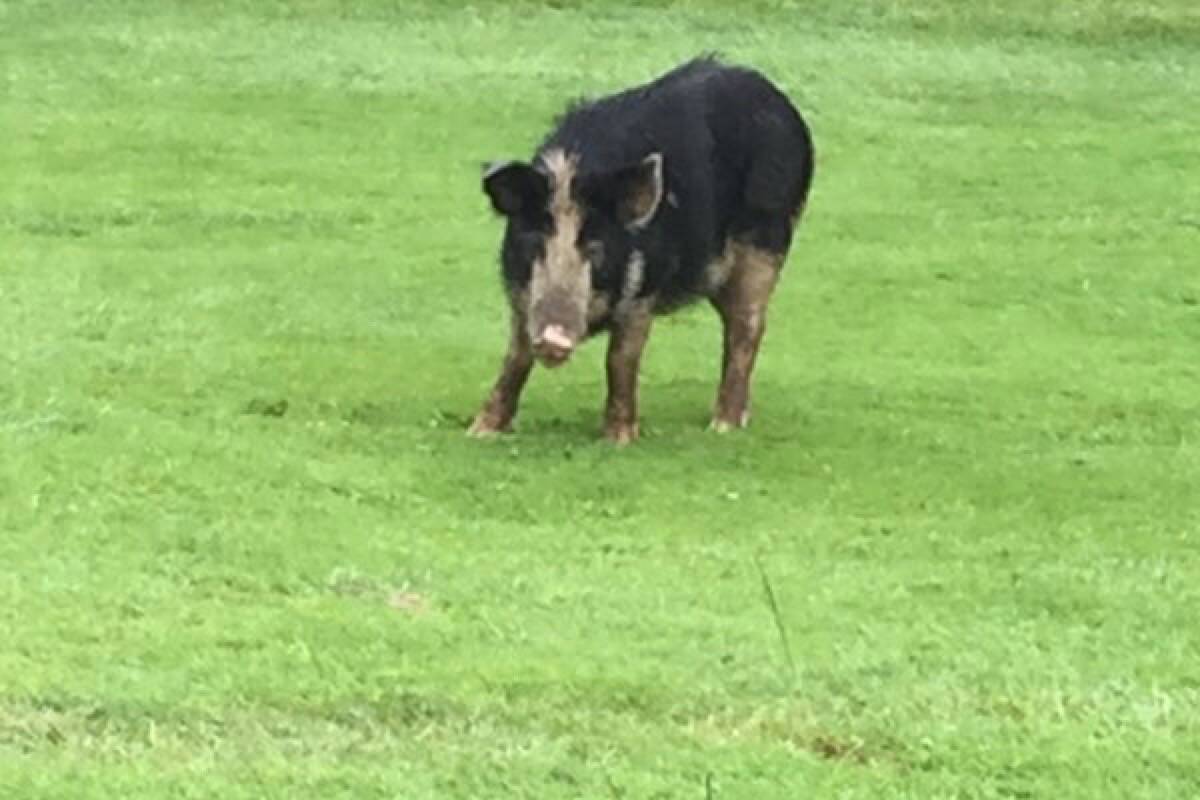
column 638, row 203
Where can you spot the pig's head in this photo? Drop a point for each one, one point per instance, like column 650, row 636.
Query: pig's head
column 567, row 227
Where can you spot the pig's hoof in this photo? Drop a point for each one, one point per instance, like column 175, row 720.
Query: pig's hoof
column 621, row 434
column 724, row 425
column 721, row 426
column 485, row 428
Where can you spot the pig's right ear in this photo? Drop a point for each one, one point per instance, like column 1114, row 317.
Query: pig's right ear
column 515, row 188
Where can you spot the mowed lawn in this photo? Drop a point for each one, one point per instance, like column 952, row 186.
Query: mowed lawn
column 249, row 302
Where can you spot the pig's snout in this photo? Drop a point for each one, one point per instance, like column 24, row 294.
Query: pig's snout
column 553, row 346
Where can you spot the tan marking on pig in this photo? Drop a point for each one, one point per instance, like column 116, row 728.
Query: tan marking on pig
column 635, row 276
column 561, row 284
column 562, row 169
column 716, row 273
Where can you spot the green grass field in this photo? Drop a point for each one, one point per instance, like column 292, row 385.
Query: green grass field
column 249, row 302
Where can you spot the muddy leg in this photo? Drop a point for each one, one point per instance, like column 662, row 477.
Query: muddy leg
column 742, row 304
column 498, row 410
column 625, row 345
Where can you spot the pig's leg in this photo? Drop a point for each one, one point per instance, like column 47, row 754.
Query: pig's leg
column 498, row 410
column 631, row 328
column 742, row 304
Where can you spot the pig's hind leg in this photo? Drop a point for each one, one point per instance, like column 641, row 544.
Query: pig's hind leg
column 774, row 196
column 742, row 304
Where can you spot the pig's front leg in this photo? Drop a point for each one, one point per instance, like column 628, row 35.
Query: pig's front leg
column 630, row 329
column 498, row 410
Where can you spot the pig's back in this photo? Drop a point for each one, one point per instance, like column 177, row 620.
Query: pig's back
column 733, row 147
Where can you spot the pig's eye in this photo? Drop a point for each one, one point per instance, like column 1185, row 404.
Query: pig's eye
column 594, row 252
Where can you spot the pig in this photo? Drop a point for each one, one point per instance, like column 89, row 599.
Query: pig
column 684, row 189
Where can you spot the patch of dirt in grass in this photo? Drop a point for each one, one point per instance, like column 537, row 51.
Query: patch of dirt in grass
column 408, row 602
column 802, row 737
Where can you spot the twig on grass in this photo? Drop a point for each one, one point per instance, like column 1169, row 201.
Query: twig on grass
column 778, row 616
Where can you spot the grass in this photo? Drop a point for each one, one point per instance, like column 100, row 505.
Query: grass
column 248, row 301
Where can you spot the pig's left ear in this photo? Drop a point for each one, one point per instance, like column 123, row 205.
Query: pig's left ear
column 515, row 188
column 639, row 189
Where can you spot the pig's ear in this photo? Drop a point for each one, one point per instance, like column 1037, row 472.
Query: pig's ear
column 639, row 190
column 515, row 188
